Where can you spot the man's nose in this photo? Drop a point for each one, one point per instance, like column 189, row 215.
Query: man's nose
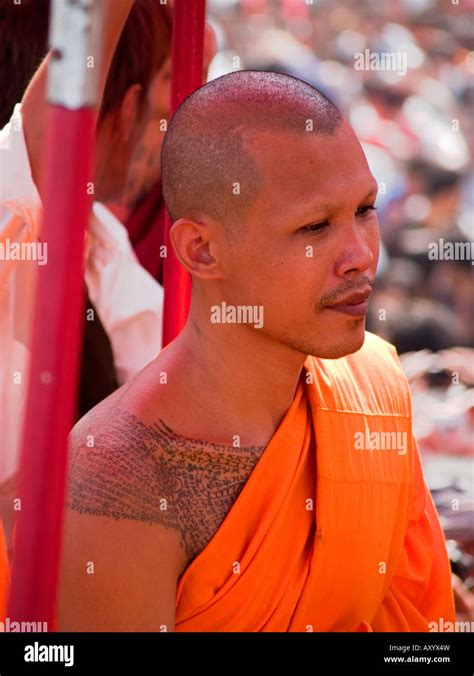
column 358, row 251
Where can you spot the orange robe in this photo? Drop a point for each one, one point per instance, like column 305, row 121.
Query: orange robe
column 327, row 536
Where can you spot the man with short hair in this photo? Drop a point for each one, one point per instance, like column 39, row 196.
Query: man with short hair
column 259, row 476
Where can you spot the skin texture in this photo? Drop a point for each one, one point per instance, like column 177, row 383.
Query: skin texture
column 169, row 433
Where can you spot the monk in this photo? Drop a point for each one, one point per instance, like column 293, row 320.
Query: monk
column 261, row 473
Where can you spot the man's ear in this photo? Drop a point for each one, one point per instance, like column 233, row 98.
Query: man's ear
column 129, row 111
column 195, row 249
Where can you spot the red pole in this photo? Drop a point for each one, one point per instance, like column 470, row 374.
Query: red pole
column 56, row 335
column 187, row 75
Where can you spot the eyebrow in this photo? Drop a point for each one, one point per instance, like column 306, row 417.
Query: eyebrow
column 373, row 190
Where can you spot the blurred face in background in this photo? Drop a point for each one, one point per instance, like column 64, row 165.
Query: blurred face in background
column 144, row 167
column 141, row 52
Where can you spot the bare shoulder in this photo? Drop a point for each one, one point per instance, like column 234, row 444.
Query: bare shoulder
column 118, row 470
column 125, row 469
column 142, row 502
column 122, row 547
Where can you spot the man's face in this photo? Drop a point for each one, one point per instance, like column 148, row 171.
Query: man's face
column 309, row 249
column 144, row 166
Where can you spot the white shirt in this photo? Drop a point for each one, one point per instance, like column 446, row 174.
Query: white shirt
column 128, row 300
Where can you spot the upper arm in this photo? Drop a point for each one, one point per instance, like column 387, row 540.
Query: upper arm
column 122, row 549
column 116, row 575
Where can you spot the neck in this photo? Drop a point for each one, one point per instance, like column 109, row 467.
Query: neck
column 237, row 380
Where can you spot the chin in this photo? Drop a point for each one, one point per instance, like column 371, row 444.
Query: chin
column 340, row 345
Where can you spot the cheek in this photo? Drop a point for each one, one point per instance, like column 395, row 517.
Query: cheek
column 159, row 93
column 291, row 282
column 374, row 243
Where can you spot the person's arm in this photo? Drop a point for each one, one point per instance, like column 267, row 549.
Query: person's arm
column 121, row 553
column 33, row 102
column 117, row 575
column 420, row 595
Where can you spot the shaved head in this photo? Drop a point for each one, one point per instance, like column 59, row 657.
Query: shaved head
column 208, row 163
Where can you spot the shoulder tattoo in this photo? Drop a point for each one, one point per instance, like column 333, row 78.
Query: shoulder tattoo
column 121, row 468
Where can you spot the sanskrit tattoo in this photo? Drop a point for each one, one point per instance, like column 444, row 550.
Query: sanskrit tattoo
column 121, row 468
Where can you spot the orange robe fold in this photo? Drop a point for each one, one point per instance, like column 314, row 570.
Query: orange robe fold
column 326, row 535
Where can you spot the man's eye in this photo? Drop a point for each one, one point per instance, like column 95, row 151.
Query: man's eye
column 316, row 227
column 363, row 211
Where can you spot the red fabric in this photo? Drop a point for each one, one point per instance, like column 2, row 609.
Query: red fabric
column 4, row 574
column 146, row 230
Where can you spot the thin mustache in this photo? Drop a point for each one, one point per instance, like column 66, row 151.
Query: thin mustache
column 333, row 297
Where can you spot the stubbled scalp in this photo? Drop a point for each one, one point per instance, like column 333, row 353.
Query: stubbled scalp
column 205, row 151
column 150, row 474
